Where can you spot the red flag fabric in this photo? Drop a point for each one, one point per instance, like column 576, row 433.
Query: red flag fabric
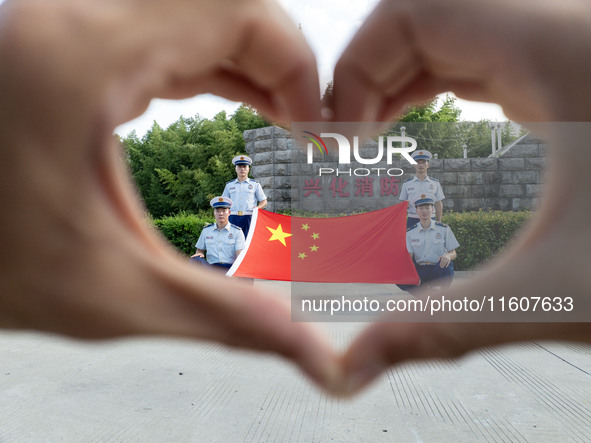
column 363, row 248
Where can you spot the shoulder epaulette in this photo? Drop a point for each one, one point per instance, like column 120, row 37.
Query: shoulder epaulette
column 441, row 224
column 208, row 225
column 407, row 180
column 412, row 227
column 253, row 180
column 434, row 179
column 230, row 181
column 234, row 226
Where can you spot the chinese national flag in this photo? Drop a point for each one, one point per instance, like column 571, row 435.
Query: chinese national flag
column 364, row 248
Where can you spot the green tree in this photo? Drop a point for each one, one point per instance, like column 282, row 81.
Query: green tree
column 428, row 112
column 439, row 130
column 247, row 117
column 182, row 167
column 435, row 128
column 477, row 136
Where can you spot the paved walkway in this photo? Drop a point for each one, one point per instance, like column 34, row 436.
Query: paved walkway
column 56, row 390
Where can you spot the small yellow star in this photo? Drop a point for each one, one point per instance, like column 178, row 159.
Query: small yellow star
column 314, row 248
column 315, row 236
column 306, row 227
column 302, row 255
column 278, row 234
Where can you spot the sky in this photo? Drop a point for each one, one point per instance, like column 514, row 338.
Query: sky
column 328, row 26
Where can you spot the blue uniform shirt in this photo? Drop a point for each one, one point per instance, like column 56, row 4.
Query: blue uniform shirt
column 221, row 244
column 427, row 245
column 413, row 187
column 245, row 196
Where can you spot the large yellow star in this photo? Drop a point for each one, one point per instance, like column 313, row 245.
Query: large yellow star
column 278, row 234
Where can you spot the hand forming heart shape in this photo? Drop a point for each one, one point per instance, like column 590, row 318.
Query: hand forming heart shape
column 77, row 257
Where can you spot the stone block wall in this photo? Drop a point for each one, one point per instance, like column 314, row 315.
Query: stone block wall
column 509, row 183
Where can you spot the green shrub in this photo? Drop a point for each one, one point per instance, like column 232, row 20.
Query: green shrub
column 183, row 230
column 482, row 234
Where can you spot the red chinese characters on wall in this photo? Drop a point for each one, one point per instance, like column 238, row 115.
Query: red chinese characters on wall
column 364, row 187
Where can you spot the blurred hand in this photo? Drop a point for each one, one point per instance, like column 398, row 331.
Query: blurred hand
column 532, row 60
column 78, row 257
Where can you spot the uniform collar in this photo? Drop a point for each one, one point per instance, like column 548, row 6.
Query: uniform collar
column 418, row 179
column 431, row 226
column 247, row 180
column 227, row 227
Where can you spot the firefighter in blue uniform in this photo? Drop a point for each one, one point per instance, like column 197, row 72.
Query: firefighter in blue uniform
column 432, row 246
column 421, row 183
column 221, row 241
column 245, row 192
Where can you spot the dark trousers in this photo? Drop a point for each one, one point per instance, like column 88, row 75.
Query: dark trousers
column 242, row 221
column 429, row 273
column 202, row 261
column 219, row 267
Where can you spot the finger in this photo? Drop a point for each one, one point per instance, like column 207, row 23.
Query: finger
column 289, row 73
column 99, row 270
column 368, row 66
column 395, row 341
column 409, row 51
column 196, row 303
column 538, row 266
column 384, row 345
column 230, row 85
column 243, row 316
column 261, row 58
column 124, row 279
column 410, row 60
column 188, row 301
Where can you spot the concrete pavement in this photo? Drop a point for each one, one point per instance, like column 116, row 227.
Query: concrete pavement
column 57, row 390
